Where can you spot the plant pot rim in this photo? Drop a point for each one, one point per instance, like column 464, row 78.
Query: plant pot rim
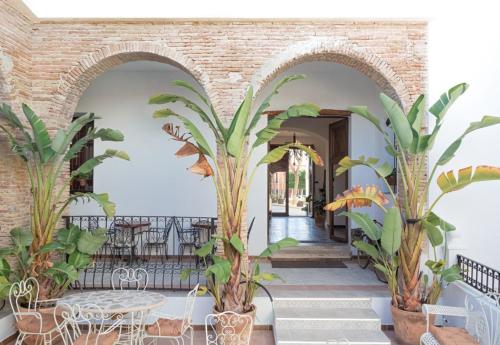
column 252, row 310
column 402, row 311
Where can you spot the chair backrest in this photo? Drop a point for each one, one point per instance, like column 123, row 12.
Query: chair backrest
column 23, row 296
column 129, row 278
column 188, row 308
column 84, row 321
column 182, row 236
column 483, row 318
column 228, row 328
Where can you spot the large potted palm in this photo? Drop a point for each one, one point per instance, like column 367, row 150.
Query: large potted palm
column 410, row 221
column 227, row 164
column 45, row 251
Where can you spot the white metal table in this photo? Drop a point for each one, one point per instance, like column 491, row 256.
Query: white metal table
column 133, row 305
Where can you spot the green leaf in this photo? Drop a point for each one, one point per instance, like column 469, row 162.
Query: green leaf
column 40, row 134
column 381, row 268
column 447, row 182
column 88, row 166
column 108, row 134
column 205, row 100
column 52, row 247
column 21, row 237
column 221, row 270
column 69, row 235
column 90, row 243
column 102, row 200
column 434, row 219
column 206, row 249
column 170, row 98
column 279, row 152
column 449, row 153
column 363, row 220
column 267, row 101
column 363, row 112
column 237, row 244
column 440, row 108
column 367, row 248
column 5, row 269
column 416, row 113
column 391, row 233
column 399, row 122
column 5, row 286
column 433, row 233
column 79, row 260
column 382, row 170
column 435, row 266
column 69, row 271
column 451, row 274
column 281, row 244
column 274, row 125
column 238, row 129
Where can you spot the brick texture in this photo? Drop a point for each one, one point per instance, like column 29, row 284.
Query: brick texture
column 50, row 63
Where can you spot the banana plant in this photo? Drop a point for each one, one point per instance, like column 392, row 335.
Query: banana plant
column 46, row 159
column 227, row 164
column 411, row 218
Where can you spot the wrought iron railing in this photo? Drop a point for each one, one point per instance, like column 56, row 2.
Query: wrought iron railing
column 479, row 276
column 163, row 245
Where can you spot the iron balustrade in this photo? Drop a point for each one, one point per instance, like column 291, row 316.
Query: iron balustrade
column 163, row 245
column 479, row 276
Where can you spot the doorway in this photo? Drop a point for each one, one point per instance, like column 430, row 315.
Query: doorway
column 298, row 190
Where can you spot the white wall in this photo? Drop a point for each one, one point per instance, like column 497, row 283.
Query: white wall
column 154, row 182
column 467, row 49
column 331, row 86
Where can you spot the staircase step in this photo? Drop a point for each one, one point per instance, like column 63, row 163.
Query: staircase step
column 329, row 336
column 314, row 252
column 326, row 318
column 321, row 302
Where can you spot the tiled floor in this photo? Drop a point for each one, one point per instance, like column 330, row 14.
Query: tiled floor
column 303, row 229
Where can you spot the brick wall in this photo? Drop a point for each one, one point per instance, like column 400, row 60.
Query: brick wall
column 224, row 56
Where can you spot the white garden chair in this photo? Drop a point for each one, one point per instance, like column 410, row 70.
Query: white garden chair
column 23, row 298
column 129, row 278
column 173, row 327
column 482, row 318
column 88, row 325
column 228, row 328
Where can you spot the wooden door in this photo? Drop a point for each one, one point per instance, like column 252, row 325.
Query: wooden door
column 338, row 149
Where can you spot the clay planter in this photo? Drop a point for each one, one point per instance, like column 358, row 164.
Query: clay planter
column 36, row 339
column 409, row 326
column 221, row 327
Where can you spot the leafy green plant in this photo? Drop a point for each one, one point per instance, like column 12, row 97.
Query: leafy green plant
column 408, row 222
column 46, row 160
column 71, row 251
column 230, row 160
column 218, row 271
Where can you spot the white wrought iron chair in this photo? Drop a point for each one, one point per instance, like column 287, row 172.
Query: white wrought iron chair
column 129, row 278
column 23, row 298
column 228, row 328
column 482, row 318
column 172, row 327
column 88, row 325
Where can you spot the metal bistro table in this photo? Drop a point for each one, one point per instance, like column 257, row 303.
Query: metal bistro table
column 133, row 228
column 133, row 305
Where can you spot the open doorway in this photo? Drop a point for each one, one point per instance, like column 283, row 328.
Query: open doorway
column 298, row 190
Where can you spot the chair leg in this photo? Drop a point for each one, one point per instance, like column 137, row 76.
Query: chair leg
column 191, row 331
column 20, row 339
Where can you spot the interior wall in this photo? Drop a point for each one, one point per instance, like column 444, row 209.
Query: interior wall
column 331, row 86
column 154, row 181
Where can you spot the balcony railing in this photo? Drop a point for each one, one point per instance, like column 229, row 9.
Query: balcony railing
column 479, row 276
column 163, row 245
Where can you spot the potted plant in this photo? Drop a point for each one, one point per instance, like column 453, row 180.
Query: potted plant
column 53, row 256
column 410, row 220
column 230, row 160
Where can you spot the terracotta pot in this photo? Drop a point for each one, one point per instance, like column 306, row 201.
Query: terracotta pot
column 319, row 220
column 240, row 330
column 409, row 326
column 36, row 339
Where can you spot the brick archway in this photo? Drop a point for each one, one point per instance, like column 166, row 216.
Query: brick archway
column 336, row 51
column 75, row 81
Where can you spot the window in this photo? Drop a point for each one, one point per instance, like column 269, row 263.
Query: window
column 82, row 184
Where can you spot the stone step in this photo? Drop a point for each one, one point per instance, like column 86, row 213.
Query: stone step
column 313, row 252
column 330, row 336
column 322, row 302
column 326, row 318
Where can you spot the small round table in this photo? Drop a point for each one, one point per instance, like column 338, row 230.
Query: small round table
column 133, row 305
